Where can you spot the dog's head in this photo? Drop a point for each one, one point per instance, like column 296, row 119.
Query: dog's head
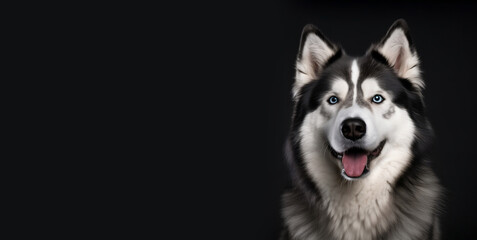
column 357, row 115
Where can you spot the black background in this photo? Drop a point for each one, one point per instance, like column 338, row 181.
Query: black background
column 231, row 70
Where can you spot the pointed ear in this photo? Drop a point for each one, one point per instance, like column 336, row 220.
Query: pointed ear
column 398, row 49
column 314, row 52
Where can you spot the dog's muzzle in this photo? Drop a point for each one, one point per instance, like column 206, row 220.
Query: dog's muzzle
column 356, row 161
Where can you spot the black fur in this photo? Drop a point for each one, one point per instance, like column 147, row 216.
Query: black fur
column 334, row 58
column 379, row 57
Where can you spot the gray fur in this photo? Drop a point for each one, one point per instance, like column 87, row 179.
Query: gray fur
column 348, row 101
column 325, row 113
column 360, row 98
column 389, row 113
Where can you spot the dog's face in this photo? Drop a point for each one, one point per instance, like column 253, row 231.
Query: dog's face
column 353, row 114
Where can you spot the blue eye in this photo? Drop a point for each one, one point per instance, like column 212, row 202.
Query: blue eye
column 333, row 100
column 378, row 98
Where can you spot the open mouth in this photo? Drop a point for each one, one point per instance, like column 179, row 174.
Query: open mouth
column 356, row 161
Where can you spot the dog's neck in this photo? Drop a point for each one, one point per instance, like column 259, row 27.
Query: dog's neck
column 361, row 208
column 356, row 207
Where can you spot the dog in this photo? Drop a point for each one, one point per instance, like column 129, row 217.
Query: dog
column 359, row 142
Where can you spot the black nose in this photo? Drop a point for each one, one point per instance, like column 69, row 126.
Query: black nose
column 353, row 128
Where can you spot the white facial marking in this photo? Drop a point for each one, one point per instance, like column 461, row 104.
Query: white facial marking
column 340, row 88
column 354, row 78
column 370, row 87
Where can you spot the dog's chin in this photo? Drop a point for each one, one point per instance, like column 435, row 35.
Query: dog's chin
column 355, row 161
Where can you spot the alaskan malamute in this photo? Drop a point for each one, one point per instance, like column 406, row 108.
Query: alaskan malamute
column 358, row 144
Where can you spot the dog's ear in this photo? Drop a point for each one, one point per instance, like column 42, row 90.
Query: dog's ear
column 314, row 52
column 400, row 54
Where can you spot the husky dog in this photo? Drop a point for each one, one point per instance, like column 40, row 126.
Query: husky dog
column 358, row 144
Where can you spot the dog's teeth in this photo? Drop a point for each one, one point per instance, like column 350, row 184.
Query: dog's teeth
column 340, row 156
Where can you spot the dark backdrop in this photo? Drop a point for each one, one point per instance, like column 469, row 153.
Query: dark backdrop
column 232, row 71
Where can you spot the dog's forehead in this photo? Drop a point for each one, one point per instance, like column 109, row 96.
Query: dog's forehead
column 378, row 74
column 357, row 70
column 370, row 85
column 339, row 86
column 339, row 69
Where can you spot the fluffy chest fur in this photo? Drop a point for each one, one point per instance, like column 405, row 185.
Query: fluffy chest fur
column 337, row 218
column 361, row 212
column 405, row 212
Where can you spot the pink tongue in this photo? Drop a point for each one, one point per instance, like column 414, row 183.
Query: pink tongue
column 354, row 163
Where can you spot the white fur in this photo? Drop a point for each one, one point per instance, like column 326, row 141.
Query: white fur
column 354, row 78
